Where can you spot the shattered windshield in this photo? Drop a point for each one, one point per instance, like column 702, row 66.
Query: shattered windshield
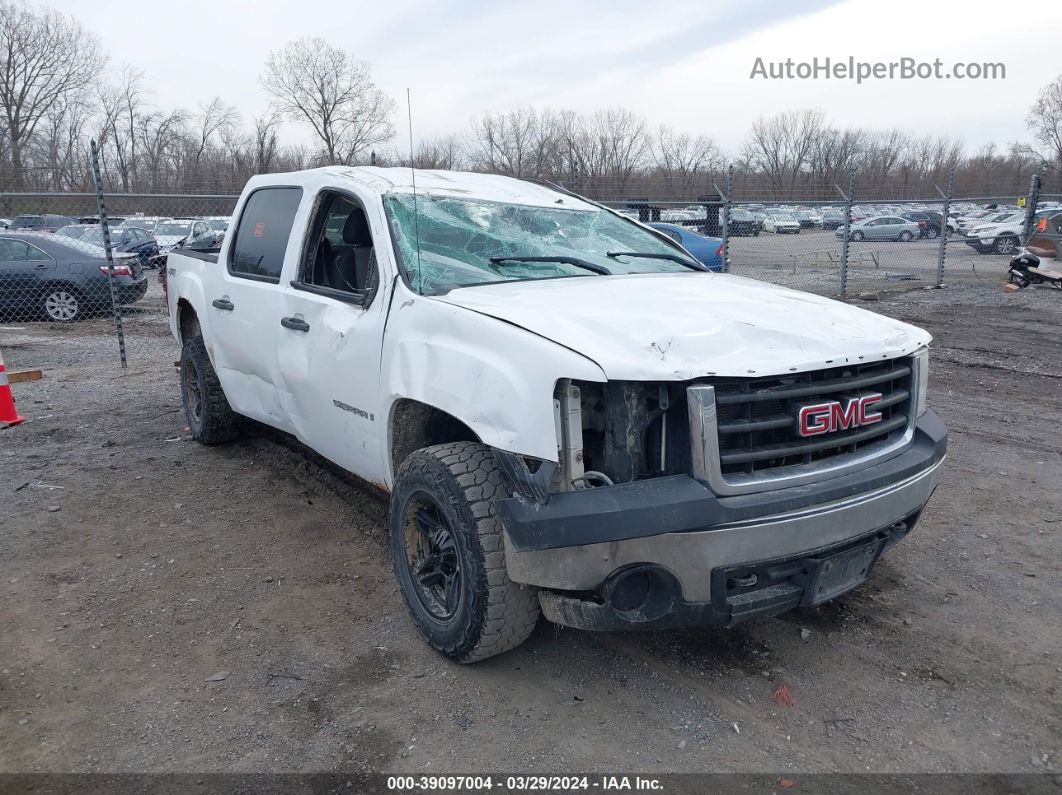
column 459, row 237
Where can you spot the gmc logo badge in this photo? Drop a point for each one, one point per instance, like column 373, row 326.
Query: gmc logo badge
column 819, row 418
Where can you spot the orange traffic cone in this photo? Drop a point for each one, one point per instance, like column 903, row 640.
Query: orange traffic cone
column 8, row 414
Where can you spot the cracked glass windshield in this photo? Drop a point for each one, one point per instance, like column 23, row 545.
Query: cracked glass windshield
column 459, row 238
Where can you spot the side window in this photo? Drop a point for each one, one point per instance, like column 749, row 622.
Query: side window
column 34, row 254
column 339, row 256
column 262, row 234
column 12, row 250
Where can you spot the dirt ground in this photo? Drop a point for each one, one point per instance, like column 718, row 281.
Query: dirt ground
column 169, row 607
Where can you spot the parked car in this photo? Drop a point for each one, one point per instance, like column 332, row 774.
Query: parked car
column 208, row 241
column 571, row 416
column 62, row 279
column 743, row 223
column 73, row 231
column 4, row 223
column 145, row 222
column 781, row 224
column 929, row 223
column 679, row 215
column 218, row 223
column 95, row 219
column 707, row 250
column 39, row 223
column 832, row 218
column 808, row 219
column 1002, row 235
column 173, row 231
column 977, row 217
column 886, row 227
column 125, row 239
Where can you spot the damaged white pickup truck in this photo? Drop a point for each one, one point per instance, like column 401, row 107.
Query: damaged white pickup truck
column 571, row 415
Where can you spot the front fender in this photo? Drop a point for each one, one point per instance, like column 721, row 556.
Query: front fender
column 495, row 377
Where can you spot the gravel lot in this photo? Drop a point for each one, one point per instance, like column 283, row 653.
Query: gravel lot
column 167, row 607
column 809, row 261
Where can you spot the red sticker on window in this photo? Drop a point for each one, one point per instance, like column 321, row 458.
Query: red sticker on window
column 259, row 230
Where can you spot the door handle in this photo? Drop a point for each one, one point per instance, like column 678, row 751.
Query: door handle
column 41, row 266
column 295, row 323
column 221, row 303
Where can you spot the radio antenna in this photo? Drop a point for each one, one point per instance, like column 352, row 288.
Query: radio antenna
column 416, row 210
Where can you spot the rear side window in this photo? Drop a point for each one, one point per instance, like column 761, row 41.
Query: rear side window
column 262, row 235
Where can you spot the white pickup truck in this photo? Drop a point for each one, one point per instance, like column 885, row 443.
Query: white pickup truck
column 570, row 414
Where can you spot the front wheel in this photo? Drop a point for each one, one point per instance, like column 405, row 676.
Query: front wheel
column 1006, row 245
column 446, row 541
column 932, row 233
column 857, row 236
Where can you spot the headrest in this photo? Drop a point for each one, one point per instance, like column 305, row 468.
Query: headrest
column 356, row 229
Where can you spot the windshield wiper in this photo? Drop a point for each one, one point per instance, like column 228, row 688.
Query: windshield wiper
column 693, row 266
column 574, row 261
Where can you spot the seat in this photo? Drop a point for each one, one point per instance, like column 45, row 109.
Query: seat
column 350, row 265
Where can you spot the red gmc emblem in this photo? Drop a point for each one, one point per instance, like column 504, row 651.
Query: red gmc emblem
column 818, row 418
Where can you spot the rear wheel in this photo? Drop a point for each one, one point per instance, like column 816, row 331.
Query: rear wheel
column 446, row 541
column 62, row 304
column 906, row 236
column 210, row 418
column 932, row 233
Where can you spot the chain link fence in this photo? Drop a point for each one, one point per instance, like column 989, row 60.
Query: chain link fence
column 60, row 264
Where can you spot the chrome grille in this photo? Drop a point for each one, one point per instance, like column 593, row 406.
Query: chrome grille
column 747, row 427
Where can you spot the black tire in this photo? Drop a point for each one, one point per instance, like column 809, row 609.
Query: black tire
column 856, row 237
column 210, row 418
column 932, row 233
column 443, row 523
column 906, row 237
column 1007, row 244
column 61, row 303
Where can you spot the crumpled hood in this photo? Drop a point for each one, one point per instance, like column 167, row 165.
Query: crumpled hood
column 678, row 326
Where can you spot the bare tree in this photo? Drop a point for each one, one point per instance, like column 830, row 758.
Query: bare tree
column 1045, row 121
column 314, row 82
column 781, row 147
column 265, row 141
column 681, row 160
column 48, row 57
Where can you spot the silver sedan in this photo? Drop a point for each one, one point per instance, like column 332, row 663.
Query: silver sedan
column 883, row 227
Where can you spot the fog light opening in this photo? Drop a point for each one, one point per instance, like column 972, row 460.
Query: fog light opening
column 641, row 593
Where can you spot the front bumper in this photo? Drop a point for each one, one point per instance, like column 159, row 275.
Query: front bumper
column 579, row 544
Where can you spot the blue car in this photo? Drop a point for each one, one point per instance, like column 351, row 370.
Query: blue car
column 126, row 240
column 707, row 250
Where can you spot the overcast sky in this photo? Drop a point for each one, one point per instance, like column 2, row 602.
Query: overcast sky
column 682, row 63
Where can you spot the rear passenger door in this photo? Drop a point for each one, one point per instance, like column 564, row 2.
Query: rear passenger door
column 329, row 350
column 244, row 304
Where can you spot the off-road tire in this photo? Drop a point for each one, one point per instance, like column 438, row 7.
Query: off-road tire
column 210, row 418
column 494, row 614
